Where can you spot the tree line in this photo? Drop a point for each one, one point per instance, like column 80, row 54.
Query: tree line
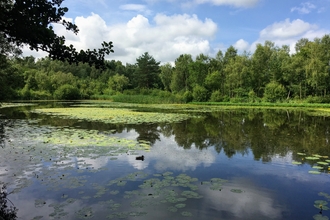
column 270, row 74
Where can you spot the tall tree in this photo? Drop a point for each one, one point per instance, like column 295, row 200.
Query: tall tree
column 30, row 22
column 147, row 72
column 166, row 75
column 181, row 73
column 261, row 67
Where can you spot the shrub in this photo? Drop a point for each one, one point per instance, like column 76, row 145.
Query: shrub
column 200, row 94
column 216, row 96
column 274, row 91
column 187, row 96
column 67, row 92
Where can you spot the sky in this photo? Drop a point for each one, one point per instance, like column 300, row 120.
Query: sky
column 168, row 28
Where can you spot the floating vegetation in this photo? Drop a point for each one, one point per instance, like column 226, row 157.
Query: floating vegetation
column 301, row 154
column 312, row 158
column 113, row 115
column 236, row 190
column 186, row 214
column 322, row 163
column 39, row 203
column 85, row 213
column 296, row 163
column 320, row 217
column 314, row 172
column 321, row 204
column 180, row 205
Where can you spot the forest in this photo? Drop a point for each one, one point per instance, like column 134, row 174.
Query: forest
column 269, row 74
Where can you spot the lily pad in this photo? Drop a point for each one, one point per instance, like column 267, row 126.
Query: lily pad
column 312, row 158
column 236, row 190
column 320, row 217
column 314, row 172
column 296, row 163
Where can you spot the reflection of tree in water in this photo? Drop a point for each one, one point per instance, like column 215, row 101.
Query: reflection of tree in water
column 265, row 132
column 7, row 212
column 2, row 134
column 148, row 132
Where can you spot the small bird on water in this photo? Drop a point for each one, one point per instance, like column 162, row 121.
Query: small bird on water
column 139, row 158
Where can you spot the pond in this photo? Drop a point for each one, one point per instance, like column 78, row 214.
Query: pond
column 92, row 160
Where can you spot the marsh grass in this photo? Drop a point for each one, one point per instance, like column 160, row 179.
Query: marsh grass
column 147, row 99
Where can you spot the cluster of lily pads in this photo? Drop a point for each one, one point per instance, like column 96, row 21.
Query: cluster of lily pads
column 322, row 206
column 113, row 115
column 321, row 163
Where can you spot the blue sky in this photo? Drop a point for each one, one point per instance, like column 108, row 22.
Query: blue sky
column 168, row 28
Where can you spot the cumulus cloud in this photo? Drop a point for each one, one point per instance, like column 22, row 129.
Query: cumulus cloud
column 305, row 8
column 288, row 33
column 242, row 45
column 286, row 29
column 164, row 37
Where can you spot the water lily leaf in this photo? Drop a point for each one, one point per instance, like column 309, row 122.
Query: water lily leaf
column 320, row 217
column 302, row 154
column 296, row 162
column 322, row 163
column 187, row 214
column 236, row 190
column 317, row 167
column 180, row 205
column 312, row 158
column 314, row 172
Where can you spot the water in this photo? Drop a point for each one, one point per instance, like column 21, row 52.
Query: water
column 228, row 164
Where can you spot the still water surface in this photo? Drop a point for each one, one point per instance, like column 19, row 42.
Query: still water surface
column 225, row 164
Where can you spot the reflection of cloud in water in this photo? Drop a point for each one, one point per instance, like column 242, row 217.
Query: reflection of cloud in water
column 169, row 156
column 137, row 164
column 97, row 163
column 250, row 204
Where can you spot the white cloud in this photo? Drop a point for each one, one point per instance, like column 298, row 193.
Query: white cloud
column 133, row 7
column 241, row 45
column 284, row 33
column 136, row 8
column 288, row 33
column 165, row 37
column 286, row 29
column 305, row 8
column 235, row 3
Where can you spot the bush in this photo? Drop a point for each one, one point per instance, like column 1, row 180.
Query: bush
column 216, row 96
column 274, row 91
column 67, row 92
column 200, row 94
column 187, row 96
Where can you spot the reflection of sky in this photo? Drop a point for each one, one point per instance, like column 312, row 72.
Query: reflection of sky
column 167, row 155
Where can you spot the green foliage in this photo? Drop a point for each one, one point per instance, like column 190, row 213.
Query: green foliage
column 187, row 96
column 274, row 92
column 118, row 82
column 67, row 92
column 216, row 96
column 200, row 94
column 17, row 18
column 147, row 72
column 7, row 211
column 146, row 99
